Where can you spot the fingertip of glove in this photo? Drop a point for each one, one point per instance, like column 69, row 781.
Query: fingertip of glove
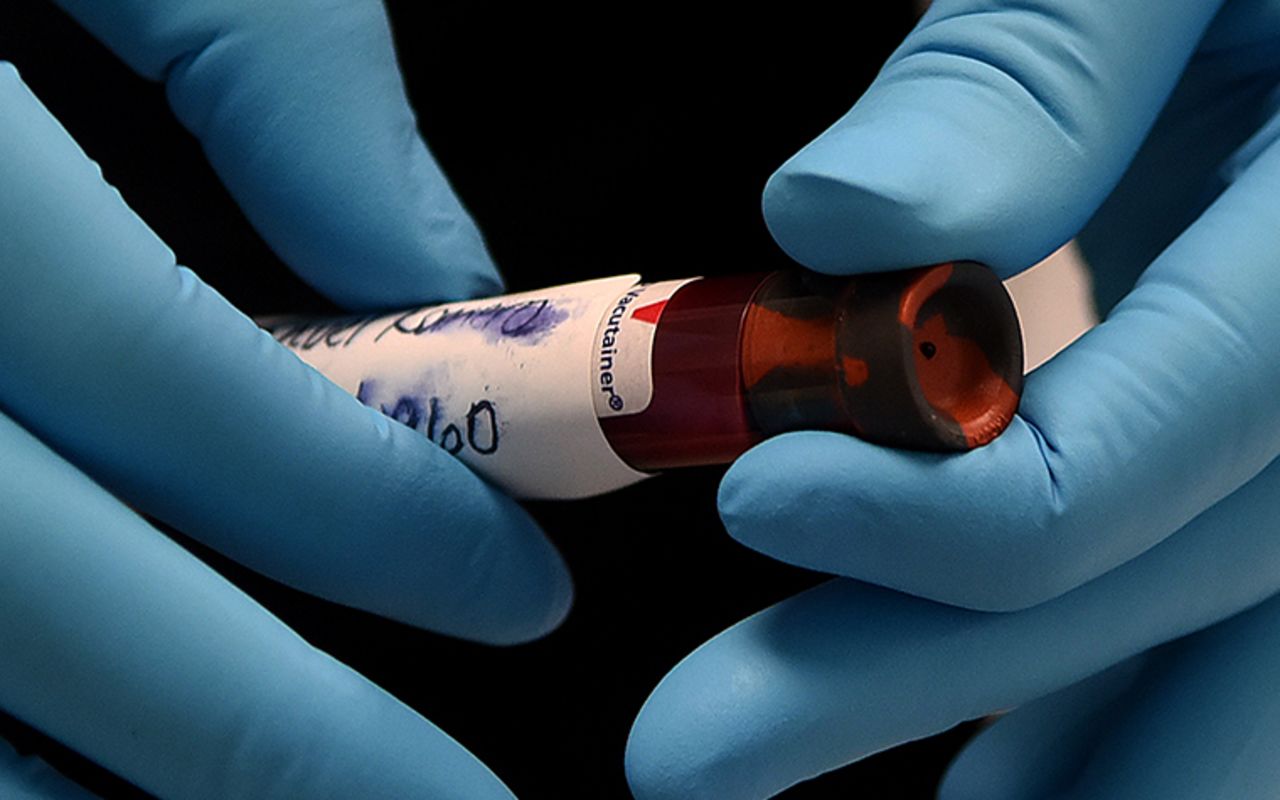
column 438, row 547
column 830, row 218
column 954, row 528
column 441, row 254
column 901, row 192
column 528, row 590
column 704, row 732
column 536, row 615
column 661, row 762
column 767, row 491
column 431, row 251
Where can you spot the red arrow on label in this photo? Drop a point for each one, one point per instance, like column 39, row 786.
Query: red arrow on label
column 649, row 313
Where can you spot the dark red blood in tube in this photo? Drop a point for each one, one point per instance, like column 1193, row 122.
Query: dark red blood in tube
column 698, row 414
column 928, row 359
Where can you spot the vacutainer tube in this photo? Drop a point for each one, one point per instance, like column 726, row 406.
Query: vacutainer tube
column 577, row 390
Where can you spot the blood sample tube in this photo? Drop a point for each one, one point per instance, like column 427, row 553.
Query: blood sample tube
column 581, row 389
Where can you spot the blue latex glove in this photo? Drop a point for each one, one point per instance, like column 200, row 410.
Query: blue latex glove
column 127, row 379
column 1130, row 503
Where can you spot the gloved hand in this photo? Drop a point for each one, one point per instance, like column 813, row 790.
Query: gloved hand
column 1128, row 505
column 125, row 379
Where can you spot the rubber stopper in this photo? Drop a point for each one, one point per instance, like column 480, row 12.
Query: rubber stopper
column 927, row 359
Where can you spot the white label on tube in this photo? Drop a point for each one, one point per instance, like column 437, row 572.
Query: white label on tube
column 624, row 348
column 505, row 383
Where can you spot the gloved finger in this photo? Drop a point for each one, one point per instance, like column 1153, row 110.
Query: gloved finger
column 1151, row 417
column 1196, row 148
column 1038, row 749
column 149, row 380
column 120, row 644
column 29, row 778
column 1204, row 723
column 848, row 669
column 993, row 133
column 301, row 110
column 1201, row 720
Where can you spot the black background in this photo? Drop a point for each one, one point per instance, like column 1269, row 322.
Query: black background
column 585, row 145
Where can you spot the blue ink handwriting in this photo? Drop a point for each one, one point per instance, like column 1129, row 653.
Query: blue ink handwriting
column 478, row 430
column 529, row 319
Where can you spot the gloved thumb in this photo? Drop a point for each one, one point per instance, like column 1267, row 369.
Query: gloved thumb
column 301, row 110
column 993, row 133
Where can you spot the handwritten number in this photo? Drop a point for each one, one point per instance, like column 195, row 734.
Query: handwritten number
column 480, row 418
column 407, row 411
column 451, row 447
column 482, row 427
